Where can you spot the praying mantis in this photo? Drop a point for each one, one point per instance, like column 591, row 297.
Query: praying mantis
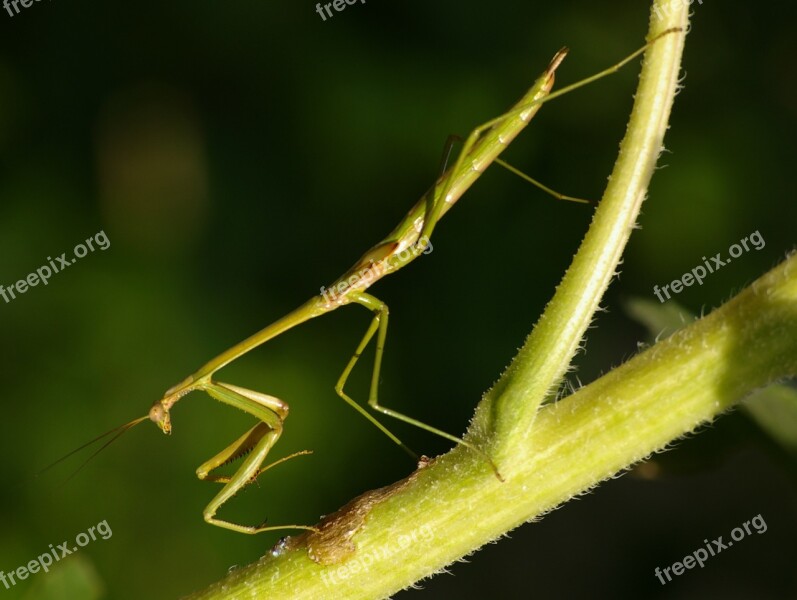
column 406, row 242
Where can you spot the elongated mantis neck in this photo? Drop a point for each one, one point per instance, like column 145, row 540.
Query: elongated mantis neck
column 159, row 412
column 312, row 308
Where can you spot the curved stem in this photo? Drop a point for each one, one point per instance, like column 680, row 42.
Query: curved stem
column 511, row 406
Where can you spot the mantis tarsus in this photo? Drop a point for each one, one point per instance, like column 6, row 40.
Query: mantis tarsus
column 407, row 241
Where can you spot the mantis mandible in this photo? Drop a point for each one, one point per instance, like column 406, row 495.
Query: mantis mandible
column 408, row 240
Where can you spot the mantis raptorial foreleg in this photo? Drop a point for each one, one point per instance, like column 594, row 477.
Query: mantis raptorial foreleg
column 257, row 442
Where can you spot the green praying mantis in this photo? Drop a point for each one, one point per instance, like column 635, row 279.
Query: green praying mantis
column 408, row 240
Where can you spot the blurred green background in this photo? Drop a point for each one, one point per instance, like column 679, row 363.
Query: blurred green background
column 240, row 157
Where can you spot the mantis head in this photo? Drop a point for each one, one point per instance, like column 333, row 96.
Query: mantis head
column 159, row 414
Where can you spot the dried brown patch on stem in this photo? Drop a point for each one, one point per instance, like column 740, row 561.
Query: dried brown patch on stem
column 333, row 542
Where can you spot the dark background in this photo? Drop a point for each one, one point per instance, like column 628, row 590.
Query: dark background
column 239, row 155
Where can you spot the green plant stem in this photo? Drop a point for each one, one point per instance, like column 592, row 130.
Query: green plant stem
column 454, row 505
column 543, row 360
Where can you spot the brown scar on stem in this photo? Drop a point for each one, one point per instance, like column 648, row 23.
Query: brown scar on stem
column 332, row 543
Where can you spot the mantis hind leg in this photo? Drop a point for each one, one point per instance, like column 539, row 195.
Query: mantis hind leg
column 378, row 326
column 449, row 146
column 372, row 329
column 255, row 445
column 435, row 208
